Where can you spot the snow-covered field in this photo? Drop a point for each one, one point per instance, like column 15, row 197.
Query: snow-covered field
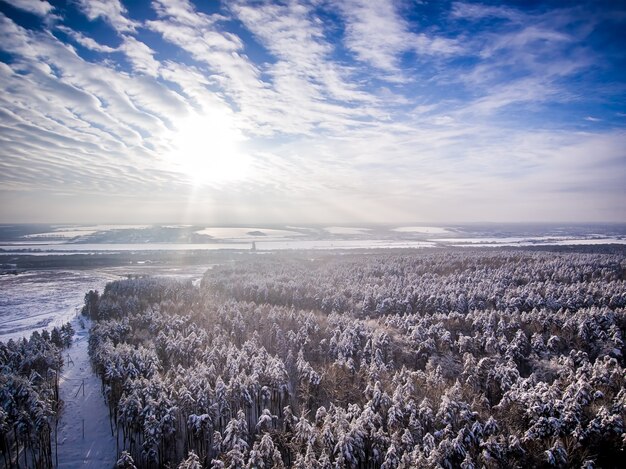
column 278, row 244
column 120, row 247
column 531, row 241
column 346, row 230
column 37, row 299
column 247, row 233
column 327, row 244
column 123, row 238
column 61, row 234
column 40, row 299
column 422, row 229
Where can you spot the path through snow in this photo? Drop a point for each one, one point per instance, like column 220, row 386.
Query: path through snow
column 97, row 449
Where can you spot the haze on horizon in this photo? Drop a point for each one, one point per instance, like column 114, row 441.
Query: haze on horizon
column 312, row 111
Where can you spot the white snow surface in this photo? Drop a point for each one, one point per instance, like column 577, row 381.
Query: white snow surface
column 330, row 244
column 243, row 233
column 530, row 241
column 421, row 229
column 88, row 411
column 41, row 299
column 60, row 234
column 346, row 230
column 103, row 227
column 12, row 248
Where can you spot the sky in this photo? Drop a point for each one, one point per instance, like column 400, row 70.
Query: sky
column 319, row 111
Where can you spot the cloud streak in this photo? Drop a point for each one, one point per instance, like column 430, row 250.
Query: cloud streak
column 378, row 35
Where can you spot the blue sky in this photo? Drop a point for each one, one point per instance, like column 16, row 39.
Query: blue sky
column 312, row 111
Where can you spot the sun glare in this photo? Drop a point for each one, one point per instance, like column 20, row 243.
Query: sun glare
column 208, row 149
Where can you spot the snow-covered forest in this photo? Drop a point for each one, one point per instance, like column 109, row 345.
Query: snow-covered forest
column 449, row 359
column 29, row 397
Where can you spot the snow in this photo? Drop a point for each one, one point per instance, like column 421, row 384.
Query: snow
column 237, row 233
column 60, row 234
column 40, row 299
column 346, row 230
column 273, row 243
column 73, row 231
column 35, row 243
column 341, row 244
column 577, row 242
column 530, row 241
column 113, row 247
column 262, row 244
column 501, row 239
column 97, row 449
column 421, row 229
column 112, row 227
column 45, row 298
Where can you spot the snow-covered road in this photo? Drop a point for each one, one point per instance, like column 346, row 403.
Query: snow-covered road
column 97, row 448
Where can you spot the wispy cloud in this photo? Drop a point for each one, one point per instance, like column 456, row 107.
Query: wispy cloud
column 141, row 56
column 289, row 96
column 112, row 11
column 378, row 35
column 86, row 41
column 294, row 34
column 474, row 11
column 38, row 7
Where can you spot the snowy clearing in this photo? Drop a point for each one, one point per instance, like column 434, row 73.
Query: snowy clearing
column 83, row 410
column 530, row 241
column 41, row 299
column 60, row 234
column 247, row 233
column 421, row 229
column 327, row 244
column 346, row 230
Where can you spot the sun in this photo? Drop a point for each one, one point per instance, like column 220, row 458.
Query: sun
column 208, row 148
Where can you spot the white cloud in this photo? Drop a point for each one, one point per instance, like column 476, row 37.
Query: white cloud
column 529, row 36
column 184, row 12
column 38, row 7
column 78, row 114
column 522, row 91
column 291, row 96
column 294, row 34
column 474, row 11
column 524, row 61
column 378, row 35
column 141, row 56
column 86, row 41
column 112, row 11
